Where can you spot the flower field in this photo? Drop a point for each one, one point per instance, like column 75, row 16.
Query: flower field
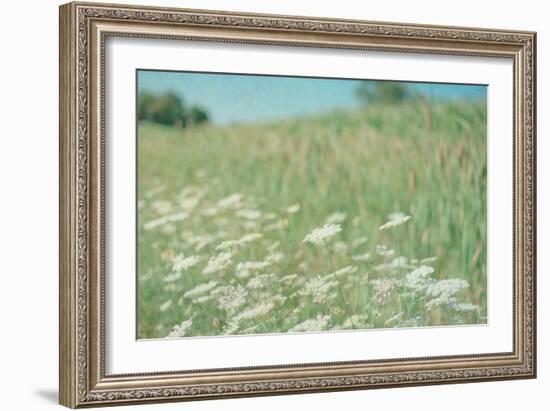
column 361, row 219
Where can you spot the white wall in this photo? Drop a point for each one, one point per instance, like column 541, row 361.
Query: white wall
column 28, row 203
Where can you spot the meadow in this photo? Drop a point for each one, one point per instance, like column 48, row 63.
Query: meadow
column 369, row 218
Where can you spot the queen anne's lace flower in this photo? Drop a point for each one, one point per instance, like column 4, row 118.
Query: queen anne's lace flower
column 293, row 209
column 200, row 289
column 179, row 330
column 254, row 312
column 232, row 201
column 318, row 235
column 165, row 305
column 232, row 297
column 398, row 220
column 318, row 288
column 317, row 324
column 419, row 279
column 182, row 263
column 336, row 218
column 361, row 257
column 218, row 263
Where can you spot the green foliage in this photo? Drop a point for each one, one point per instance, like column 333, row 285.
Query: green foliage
column 168, row 109
column 356, row 167
column 145, row 106
column 383, row 92
column 197, row 115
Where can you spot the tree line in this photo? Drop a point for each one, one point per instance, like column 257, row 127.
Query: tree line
column 169, row 109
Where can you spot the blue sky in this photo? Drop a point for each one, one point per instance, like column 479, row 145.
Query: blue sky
column 233, row 98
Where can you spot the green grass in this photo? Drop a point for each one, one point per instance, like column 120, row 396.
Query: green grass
column 427, row 162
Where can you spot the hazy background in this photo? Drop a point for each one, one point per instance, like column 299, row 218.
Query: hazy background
column 232, row 99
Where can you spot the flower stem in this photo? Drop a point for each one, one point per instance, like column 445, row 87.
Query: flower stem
column 340, row 291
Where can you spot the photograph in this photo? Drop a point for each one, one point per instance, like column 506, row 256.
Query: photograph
column 260, row 203
column 271, row 204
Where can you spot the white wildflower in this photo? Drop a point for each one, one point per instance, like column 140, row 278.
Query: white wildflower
column 340, row 247
column 411, row 322
column 161, row 206
column 157, row 222
column 179, row 330
column 465, row 307
column 382, row 288
column 260, row 281
column 232, row 201
column 289, row 278
column 250, row 225
column 218, row 263
column 419, row 279
column 177, row 216
column 227, row 245
column 250, row 237
column 277, row 225
column 254, row 312
column 181, row 263
column 336, row 218
column 396, row 263
column 200, row 289
column 249, row 214
column 231, row 244
column 231, row 328
column 202, row 299
column 240, row 273
column 436, row 302
column 253, row 265
column 161, row 221
column 355, row 321
column 199, row 241
column 232, row 298
column 428, row 260
column 318, row 324
column 275, row 258
column 210, row 211
column 396, row 214
column 171, row 277
column 168, row 229
column 319, row 235
column 273, row 246
column 393, row 319
column 318, row 288
column 361, row 257
column 401, row 219
column 446, row 288
column 293, row 209
column 250, row 330
column 384, row 251
column 278, row 299
column 165, row 305
column 189, row 204
column 350, row 269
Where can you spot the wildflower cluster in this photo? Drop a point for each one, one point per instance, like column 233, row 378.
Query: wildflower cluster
column 228, row 267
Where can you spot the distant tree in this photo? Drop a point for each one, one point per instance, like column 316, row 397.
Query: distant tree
column 145, row 101
column 197, row 115
column 388, row 92
column 169, row 109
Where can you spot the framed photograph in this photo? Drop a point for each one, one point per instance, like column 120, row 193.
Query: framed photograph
column 259, row 204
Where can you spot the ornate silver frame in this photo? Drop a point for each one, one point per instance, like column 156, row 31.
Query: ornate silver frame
column 84, row 27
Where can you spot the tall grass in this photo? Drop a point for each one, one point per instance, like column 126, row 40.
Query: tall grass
column 284, row 179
